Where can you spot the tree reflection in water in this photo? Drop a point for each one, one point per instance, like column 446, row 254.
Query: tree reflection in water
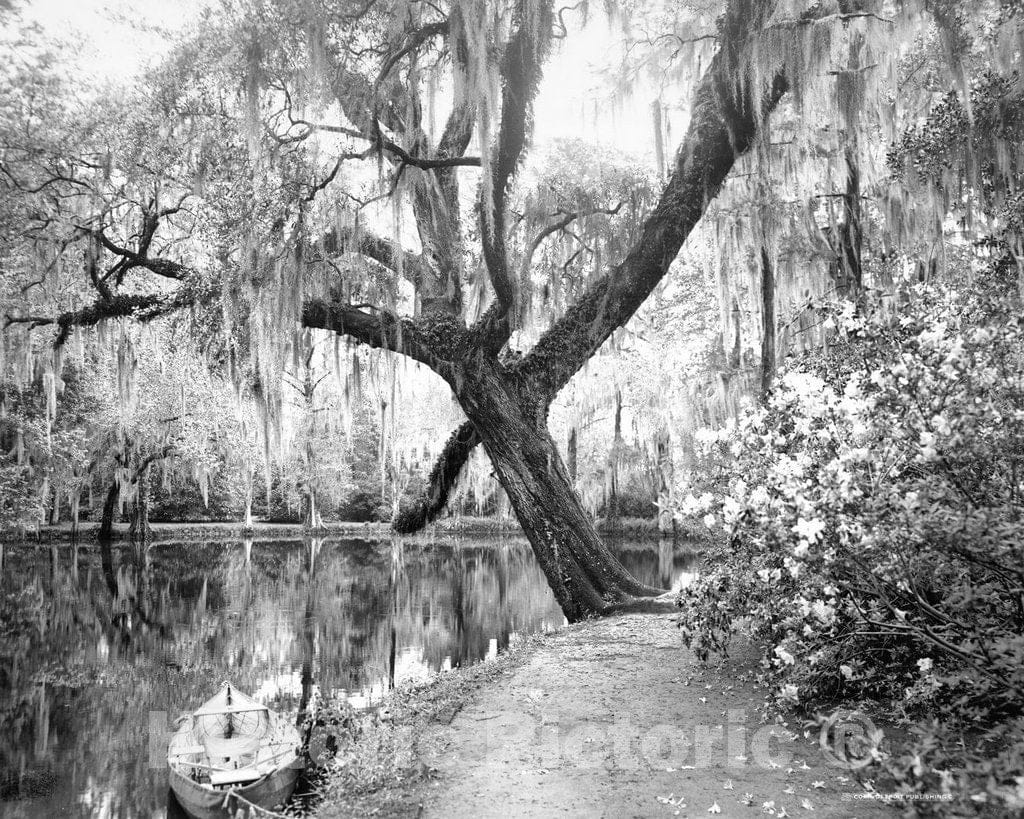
column 94, row 639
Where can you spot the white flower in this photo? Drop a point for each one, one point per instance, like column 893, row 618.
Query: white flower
column 759, row 498
column 823, row 611
column 791, row 693
column 941, row 425
column 731, row 510
column 924, row 665
column 767, row 575
column 846, row 671
column 931, row 338
column 691, row 506
column 785, row 656
column 709, row 521
column 927, row 442
column 809, row 530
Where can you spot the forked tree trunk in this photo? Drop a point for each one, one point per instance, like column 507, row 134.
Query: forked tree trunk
column 586, row 578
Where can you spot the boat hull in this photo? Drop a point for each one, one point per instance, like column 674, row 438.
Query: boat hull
column 202, row 802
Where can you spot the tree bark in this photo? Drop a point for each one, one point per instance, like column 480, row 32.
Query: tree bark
column 138, row 529
column 109, row 505
column 55, row 508
column 611, row 505
column 665, row 478
column 312, row 516
column 573, row 454
column 768, row 322
column 584, row 575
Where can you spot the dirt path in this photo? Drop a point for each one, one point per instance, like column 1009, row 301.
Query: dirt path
column 614, row 718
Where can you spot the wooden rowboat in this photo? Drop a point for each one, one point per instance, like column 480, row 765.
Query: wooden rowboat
column 234, row 754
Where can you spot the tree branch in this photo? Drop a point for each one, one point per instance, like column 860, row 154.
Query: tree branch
column 140, row 307
column 386, row 252
column 722, row 127
column 442, row 480
column 145, row 307
column 557, row 225
column 521, row 74
column 423, row 341
column 414, row 39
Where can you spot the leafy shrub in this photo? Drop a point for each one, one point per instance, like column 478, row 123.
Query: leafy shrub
column 873, row 511
column 632, row 502
column 362, row 507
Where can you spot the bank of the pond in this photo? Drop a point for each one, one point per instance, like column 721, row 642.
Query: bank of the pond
column 228, row 530
column 610, row 717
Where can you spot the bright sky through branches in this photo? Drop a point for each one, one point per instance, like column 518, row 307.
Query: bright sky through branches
column 115, row 39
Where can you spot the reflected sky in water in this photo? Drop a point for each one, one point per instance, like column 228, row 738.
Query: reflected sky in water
column 97, row 644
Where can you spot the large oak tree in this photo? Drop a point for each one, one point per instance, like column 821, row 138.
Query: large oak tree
column 217, row 200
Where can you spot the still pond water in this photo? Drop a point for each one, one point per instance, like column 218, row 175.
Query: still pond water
column 97, row 644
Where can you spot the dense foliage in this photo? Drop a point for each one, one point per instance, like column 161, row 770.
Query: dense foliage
column 873, row 508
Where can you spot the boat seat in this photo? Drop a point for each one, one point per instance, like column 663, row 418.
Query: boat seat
column 235, row 777
column 228, row 709
column 189, row 750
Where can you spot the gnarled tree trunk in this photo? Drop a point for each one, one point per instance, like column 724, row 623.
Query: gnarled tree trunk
column 109, row 505
column 139, row 530
column 511, row 418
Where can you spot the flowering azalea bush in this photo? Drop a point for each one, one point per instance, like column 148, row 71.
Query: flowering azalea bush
column 873, row 511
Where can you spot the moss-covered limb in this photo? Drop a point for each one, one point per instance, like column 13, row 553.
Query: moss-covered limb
column 458, row 129
column 434, row 341
column 491, row 331
column 143, row 307
column 521, row 75
column 386, row 252
column 443, row 478
column 723, row 125
column 433, row 174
